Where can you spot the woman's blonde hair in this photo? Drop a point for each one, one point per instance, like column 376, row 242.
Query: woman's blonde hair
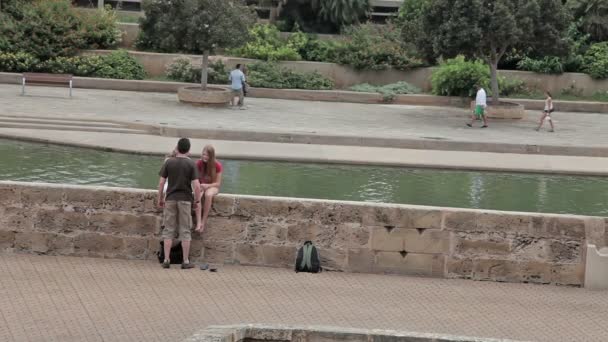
column 209, row 168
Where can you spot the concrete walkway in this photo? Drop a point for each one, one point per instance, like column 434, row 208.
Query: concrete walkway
column 46, row 298
column 427, row 124
column 463, row 160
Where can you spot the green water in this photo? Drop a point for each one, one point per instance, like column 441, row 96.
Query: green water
column 502, row 191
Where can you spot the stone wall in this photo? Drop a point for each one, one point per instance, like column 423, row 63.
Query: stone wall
column 352, row 237
column 344, row 76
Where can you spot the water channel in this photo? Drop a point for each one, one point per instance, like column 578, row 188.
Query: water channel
column 22, row 161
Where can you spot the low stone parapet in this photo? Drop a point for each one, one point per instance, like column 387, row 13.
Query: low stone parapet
column 266, row 231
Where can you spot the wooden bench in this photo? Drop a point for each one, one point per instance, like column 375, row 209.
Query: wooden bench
column 34, row 78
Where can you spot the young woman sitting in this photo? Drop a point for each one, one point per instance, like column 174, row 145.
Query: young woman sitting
column 210, row 178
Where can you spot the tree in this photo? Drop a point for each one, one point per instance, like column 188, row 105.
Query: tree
column 487, row 29
column 195, row 26
column 321, row 15
column 593, row 16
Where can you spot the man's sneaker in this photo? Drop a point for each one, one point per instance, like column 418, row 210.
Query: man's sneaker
column 186, row 266
column 166, row 264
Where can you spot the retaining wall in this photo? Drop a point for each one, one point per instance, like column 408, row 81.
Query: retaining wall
column 352, row 237
column 344, row 77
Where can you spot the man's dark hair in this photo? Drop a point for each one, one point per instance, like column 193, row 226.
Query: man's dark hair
column 238, row 66
column 183, row 145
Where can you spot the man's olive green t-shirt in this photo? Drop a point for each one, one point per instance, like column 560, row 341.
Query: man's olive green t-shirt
column 180, row 172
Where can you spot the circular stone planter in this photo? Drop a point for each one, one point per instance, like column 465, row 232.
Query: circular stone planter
column 212, row 96
column 503, row 110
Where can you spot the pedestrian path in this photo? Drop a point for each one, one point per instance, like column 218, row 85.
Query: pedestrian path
column 309, row 153
column 48, row 298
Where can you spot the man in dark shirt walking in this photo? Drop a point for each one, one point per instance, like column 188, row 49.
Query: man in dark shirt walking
column 182, row 175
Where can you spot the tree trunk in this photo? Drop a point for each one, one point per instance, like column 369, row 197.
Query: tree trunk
column 494, row 80
column 100, row 4
column 204, row 71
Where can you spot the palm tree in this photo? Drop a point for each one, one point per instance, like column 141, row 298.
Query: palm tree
column 339, row 12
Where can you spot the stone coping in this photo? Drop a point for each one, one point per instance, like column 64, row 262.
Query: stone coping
column 314, row 333
column 315, row 95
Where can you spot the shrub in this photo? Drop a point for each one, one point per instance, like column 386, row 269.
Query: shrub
column 271, row 75
column 372, row 47
column 52, row 28
column 546, row 65
column 100, row 29
column 182, row 70
column 510, row 87
column 317, row 50
column 458, row 77
column 266, row 44
column 596, row 60
column 117, row 65
column 17, row 62
column 388, row 91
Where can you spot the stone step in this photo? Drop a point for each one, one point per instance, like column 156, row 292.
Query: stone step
column 63, row 122
column 72, row 128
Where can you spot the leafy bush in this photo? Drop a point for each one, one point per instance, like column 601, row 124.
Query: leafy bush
column 388, row 91
column 458, row 77
column 182, row 70
column 596, row 60
column 52, row 28
column 317, row 50
column 373, row 47
column 546, row 65
column 266, row 44
column 100, row 29
column 117, row 65
column 510, row 87
column 271, row 75
column 17, row 62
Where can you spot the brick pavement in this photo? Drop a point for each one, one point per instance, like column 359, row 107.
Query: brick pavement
column 46, row 298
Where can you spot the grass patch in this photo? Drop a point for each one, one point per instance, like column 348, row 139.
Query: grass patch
column 128, row 17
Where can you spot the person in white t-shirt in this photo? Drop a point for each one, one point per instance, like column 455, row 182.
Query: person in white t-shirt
column 480, row 107
column 237, row 80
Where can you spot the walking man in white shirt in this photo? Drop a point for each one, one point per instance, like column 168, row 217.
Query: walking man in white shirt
column 480, row 107
column 237, row 79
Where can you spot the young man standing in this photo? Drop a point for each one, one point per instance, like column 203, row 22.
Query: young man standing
column 177, row 202
column 480, row 107
column 237, row 79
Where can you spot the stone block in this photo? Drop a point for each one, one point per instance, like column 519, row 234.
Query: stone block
column 391, row 240
column 331, row 259
column 429, row 265
column 93, row 244
column 321, row 235
column 335, row 336
column 218, row 252
column 565, row 252
column 269, row 334
column 17, row 219
column 72, row 221
column 361, row 260
column 266, row 233
column 222, row 206
column 336, row 213
column 431, row 241
column 460, row 221
column 568, row 274
column 402, row 217
column 459, row 268
column 278, row 256
column 124, row 223
column 525, row 247
column 558, row 227
column 224, row 229
column 135, row 248
column 359, row 237
column 246, row 254
column 7, row 239
column 41, row 196
column 32, row 241
column 105, row 199
column 10, row 196
column 512, row 271
column 503, row 222
column 258, row 207
column 471, row 244
column 60, row 244
column 196, row 249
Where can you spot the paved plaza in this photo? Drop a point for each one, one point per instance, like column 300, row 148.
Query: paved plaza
column 47, row 298
column 321, row 118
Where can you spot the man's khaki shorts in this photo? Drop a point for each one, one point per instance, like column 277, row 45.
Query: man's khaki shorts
column 177, row 217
